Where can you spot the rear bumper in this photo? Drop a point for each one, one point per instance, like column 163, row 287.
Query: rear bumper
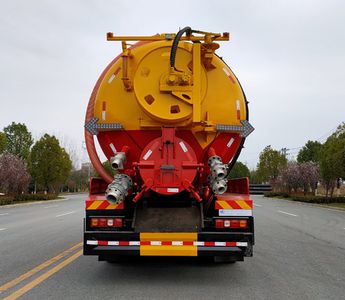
column 110, row 244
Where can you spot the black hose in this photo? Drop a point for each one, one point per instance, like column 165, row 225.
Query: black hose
column 177, row 38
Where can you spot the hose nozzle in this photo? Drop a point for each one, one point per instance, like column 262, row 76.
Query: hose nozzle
column 118, row 189
column 217, row 178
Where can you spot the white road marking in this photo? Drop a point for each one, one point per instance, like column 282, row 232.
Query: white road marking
column 65, row 214
column 5, row 214
column 1, row 229
column 286, row 213
column 51, row 206
column 258, row 205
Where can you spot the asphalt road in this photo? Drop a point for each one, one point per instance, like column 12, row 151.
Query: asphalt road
column 299, row 254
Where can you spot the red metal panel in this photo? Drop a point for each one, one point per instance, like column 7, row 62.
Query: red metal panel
column 168, row 163
column 238, row 186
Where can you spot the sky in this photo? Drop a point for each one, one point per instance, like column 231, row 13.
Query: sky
column 288, row 55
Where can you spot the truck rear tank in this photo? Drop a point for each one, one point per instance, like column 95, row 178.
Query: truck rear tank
column 172, row 118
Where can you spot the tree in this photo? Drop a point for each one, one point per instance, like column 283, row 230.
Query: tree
column 332, row 161
column 239, row 170
column 252, row 176
column 78, row 180
column 107, row 166
column 309, row 173
column 19, row 140
column 14, row 178
column 339, row 134
column 340, row 131
column 71, row 148
column 50, row 164
column 270, row 163
column 3, row 142
column 66, row 165
column 310, row 152
column 300, row 175
column 290, row 176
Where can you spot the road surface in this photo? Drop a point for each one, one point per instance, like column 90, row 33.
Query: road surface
column 299, row 254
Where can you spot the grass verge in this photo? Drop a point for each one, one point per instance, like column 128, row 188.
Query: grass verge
column 338, row 205
column 334, row 201
column 23, row 198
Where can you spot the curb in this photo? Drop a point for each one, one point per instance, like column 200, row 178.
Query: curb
column 310, row 204
column 76, row 193
column 32, row 202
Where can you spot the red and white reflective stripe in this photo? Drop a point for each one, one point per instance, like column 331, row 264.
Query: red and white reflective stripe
column 230, row 142
column 104, row 106
column 112, row 147
column 112, row 77
column 238, row 109
column 166, row 243
column 148, row 154
column 183, row 147
column 228, row 74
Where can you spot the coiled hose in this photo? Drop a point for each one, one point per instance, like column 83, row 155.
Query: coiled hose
column 177, row 38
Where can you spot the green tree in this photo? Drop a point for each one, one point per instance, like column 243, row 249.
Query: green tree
column 50, row 164
column 66, row 165
column 253, row 177
column 19, row 140
column 332, row 161
column 310, row 152
column 107, row 166
column 340, row 131
column 270, row 163
column 239, row 170
column 3, row 142
column 78, row 180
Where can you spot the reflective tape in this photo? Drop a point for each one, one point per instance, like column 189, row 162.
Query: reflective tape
column 233, row 204
column 102, row 204
column 235, row 212
column 166, row 243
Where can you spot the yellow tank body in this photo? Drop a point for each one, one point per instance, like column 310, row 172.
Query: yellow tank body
column 151, row 103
